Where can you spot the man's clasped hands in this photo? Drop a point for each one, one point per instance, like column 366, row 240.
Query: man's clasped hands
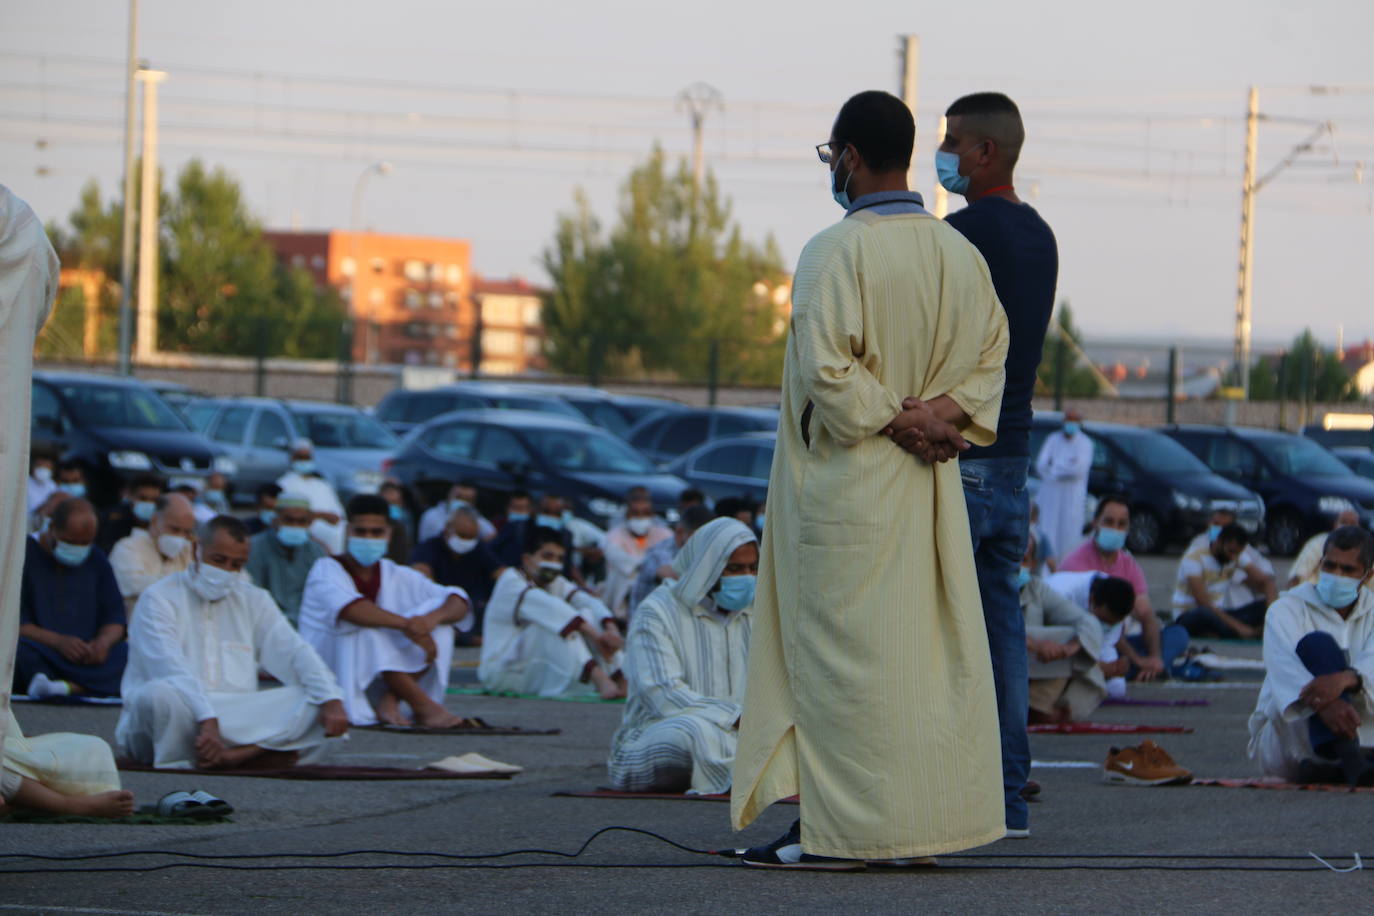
column 929, row 429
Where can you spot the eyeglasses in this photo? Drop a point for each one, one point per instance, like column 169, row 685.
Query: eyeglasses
column 827, row 153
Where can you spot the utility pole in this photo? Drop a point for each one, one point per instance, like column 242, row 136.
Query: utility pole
column 126, row 257
column 941, row 195
column 1247, row 244
column 146, row 338
column 910, row 55
column 699, row 99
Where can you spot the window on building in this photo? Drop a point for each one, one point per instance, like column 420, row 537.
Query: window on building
column 501, row 310
column 455, row 274
column 347, row 266
column 378, row 265
column 436, row 272
column 501, row 343
column 533, row 346
column 376, row 296
column 414, row 270
column 298, row 260
column 450, row 358
column 451, row 331
column 413, row 298
column 436, row 300
column 532, row 311
column 317, row 262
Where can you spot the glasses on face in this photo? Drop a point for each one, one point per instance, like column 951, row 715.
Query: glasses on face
column 829, row 152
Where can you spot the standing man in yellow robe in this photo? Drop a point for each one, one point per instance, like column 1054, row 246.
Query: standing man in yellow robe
column 870, row 690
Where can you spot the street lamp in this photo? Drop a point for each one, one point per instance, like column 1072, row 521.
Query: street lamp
column 380, row 168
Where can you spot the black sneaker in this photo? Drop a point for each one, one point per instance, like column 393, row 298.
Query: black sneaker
column 786, row 852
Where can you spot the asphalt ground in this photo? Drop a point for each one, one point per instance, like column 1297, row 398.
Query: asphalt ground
column 1082, row 856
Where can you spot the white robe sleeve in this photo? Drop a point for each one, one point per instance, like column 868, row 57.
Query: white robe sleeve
column 285, row 655
column 654, row 673
column 154, row 636
column 535, row 606
column 1284, row 625
column 422, row 594
column 585, row 603
column 328, row 590
column 129, row 569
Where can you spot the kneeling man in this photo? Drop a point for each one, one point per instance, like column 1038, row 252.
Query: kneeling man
column 386, row 631
column 543, row 634
column 197, row 640
column 685, row 660
column 1314, row 721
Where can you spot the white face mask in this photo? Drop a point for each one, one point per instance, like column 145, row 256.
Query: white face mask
column 171, row 545
column 461, row 545
column 639, row 526
column 42, row 474
column 213, row 583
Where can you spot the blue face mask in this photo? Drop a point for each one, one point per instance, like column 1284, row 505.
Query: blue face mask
column 71, row 554
column 367, row 551
column 1213, row 532
column 1337, row 591
column 568, row 516
column 549, row 521
column 1071, row 427
column 303, row 466
column 1023, row 577
column 214, row 497
column 1109, row 540
column 758, row 520
column 517, row 516
column 736, row 592
column 947, row 170
column 77, row 490
column 841, row 195
column 292, row 536
column 396, row 512
column 267, row 516
column 143, row 510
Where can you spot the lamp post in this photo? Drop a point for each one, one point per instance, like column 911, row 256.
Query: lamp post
column 379, row 168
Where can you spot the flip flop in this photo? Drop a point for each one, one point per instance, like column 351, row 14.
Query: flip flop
column 219, row 806
column 183, row 804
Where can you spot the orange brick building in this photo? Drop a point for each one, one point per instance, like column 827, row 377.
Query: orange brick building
column 512, row 326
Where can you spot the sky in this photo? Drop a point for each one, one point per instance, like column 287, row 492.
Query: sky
column 493, row 115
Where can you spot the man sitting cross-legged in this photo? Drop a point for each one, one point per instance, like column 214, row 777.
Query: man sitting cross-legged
column 283, row 554
column 191, row 694
column 543, row 634
column 1314, row 721
column 385, row 630
column 61, row 773
column 685, row 660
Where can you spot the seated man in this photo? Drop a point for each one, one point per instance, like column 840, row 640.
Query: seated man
column 625, row 547
column 459, row 558
column 41, row 486
column 1254, row 578
column 136, row 511
column 1313, row 721
column 385, row 630
column 509, row 544
column 71, row 615
column 61, row 773
column 544, row 635
column 1200, row 590
column 464, row 493
column 400, row 545
column 197, row 640
column 657, row 567
column 688, row 643
column 1307, row 566
column 1084, row 590
column 150, row 554
column 265, row 509
column 69, row 481
column 519, row 508
column 216, row 492
column 1065, row 642
column 326, row 525
column 281, row 557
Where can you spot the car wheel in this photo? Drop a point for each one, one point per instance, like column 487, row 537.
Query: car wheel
column 1284, row 534
column 1147, row 531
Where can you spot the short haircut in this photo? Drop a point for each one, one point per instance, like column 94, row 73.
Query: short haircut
column 63, row 512
column 731, row 506
column 230, row 525
column 1233, row 534
column 638, row 495
column 692, row 495
column 391, row 485
column 519, row 494
column 268, row 489
column 539, row 536
column 368, row 504
column 694, row 517
column 1116, row 596
column 468, row 483
column 70, row 464
column 42, row 453
column 163, row 501
column 148, row 481
column 1102, row 504
column 881, row 128
column 992, row 116
column 1345, row 538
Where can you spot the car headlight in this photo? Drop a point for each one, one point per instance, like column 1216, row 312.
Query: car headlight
column 1333, row 505
column 367, row 481
column 226, row 465
column 1186, row 502
column 130, row 461
column 606, row 508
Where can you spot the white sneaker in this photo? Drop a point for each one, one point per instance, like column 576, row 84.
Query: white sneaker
column 42, row 687
column 1017, row 833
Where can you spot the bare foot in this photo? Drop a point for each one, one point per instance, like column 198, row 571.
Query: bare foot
column 608, row 688
column 233, row 758
column 119, row 803
column 389, row 710
column 439, row 717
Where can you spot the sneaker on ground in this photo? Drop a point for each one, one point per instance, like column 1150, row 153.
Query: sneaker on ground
column 1017, row 833
column 1147, row 764
column 786, row 852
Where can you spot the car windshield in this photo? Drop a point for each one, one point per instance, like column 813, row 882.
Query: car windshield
column 587, row 450
column 1298, row 457
column 1159, row 454
column 604, row 414
column 120, row 406
column 340, row 429
column 540, row 405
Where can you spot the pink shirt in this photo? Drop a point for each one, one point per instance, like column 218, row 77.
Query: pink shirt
column 1086, row 558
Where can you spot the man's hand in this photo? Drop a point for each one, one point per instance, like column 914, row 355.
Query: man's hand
column 917, row 430
column 329, row 518
column 333, row 718
column 209, row 744
column 1341, row 718
column 425, row 642
column 609, row 641
column 1117, row 668
column 419, row 627
column 74, row 650
column 1049, row 651
column 1151, row 667
column 1244, row 630
column 1326, row 689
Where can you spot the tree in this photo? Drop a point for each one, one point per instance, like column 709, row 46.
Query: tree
column 1305, row 372
column 673, row 280
column 1079, row 381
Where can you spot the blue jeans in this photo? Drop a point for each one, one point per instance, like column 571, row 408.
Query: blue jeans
column 1201, row 621
column 998, row 519
column 1173, row 642
column 1320, row 654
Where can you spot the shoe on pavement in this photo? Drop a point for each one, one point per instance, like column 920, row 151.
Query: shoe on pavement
column 786, row 852
column 1017, row 833
column 1147, row 764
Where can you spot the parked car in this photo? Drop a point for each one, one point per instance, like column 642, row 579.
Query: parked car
column 1172, row 493
column 1359, row 460
column 174, row 393
column 403, row 409
column 614, row 413
column 116, row 428
column 1304, row 486
column 730, row 466
column 669, row 435
column 504, row 450
column 258, row 433
column 1341, row 437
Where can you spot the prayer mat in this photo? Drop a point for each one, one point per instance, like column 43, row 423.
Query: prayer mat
column 1105, row 728
column 1134, row 701
column 482, row 729
column 1261, row 783
column 657, row 796
column 316, row 772
column 480, row 692
column 145, row 816
column 68, row 701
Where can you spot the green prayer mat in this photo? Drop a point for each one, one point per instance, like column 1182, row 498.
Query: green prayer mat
column 481, row 692
column 145, row 816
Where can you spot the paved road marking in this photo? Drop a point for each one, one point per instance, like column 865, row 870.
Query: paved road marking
column 96, row 911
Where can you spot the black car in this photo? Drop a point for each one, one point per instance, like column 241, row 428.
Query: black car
column 1359, row 460
column 667, row 436
column 504, row 450
column 1304, row 486
column 1346, row 438
column 117, row 428
column 616, row 413
column 1172, row 494
column 730, row 466
column 403, row 409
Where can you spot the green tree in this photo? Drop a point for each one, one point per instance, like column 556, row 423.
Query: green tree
column 672, row 280
column 1079, row 381
column 1305, row 372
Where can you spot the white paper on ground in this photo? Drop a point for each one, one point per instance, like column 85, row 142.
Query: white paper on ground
column 472, row 764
